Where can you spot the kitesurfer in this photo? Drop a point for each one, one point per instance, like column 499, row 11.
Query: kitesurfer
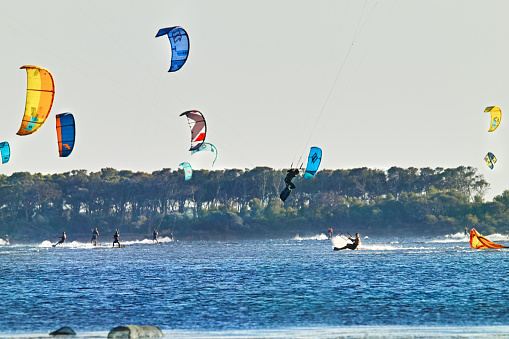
column 62, row 239
column 95, row 234
column 115, row 239
column 7, row 239
column 292, row 173
column 355, row 243
column 155, row 236
column 330, row 232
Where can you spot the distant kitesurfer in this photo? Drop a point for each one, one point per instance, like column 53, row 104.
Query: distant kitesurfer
column 466, row 231
column 355, row 242
column 7, row 239
column 171, row 236
column 292, row 173
column 95, row 234
column 115, row 239
column 155, row 236
column 330, row 232
column 62, row 239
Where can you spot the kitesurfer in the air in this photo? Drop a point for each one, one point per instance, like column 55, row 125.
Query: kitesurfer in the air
column 62, row 239
column 155, row 236
column 355, row 243
column 292, row 173
column 330, row 232
column 95, row 234
column 115, row 239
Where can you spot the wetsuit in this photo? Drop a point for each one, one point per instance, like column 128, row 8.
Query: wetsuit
column 95, row 233
column 292, row 173
column 115, row 239
column 62, row 239
column 155, row 236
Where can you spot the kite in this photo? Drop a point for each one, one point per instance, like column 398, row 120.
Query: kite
column 40, row 95
column 490, row 160
column 188, row 171
column 314, row 159
column 207, row 147
column 479, row 242
column 179, row 41
column 496, row 117
column 198, row 128
column 66, row 133
column 5, row 152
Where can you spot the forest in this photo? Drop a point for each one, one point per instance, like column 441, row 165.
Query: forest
column 245, row 204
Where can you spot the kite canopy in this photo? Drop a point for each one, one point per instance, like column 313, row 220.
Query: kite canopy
column 66, row 133
column 207, row 147
column 40, row 95
column 479, row 242
column 314, row 160
column 490, row 160
column 188, row 171
column 5, row 152
column 198, row 128
column 496, row 117
column 179, row 41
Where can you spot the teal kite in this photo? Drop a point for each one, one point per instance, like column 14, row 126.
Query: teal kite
column 188, row 170
column 207, row 147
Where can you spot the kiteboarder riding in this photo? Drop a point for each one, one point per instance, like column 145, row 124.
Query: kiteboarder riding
column 95, row 234
column 155, row 236
column 292, row 173
column 115, row 239
column 62, row 239
column 355, row 242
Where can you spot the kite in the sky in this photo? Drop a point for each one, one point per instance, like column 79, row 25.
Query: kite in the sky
column 490, row 160
column 207, row 147
column 40, row 95
column 479, row 242
column 496, row 117
column 314, row 159
column 5, row 152
column 66, row 133
column 198, row 128
column 188, row 171
column 179, row 41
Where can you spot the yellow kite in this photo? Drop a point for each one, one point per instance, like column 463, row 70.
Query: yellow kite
column 479, row 242
column 496, row 117
column 40, row 95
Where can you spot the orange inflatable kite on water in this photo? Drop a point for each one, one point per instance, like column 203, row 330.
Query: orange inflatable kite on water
column 40, row 95
column 479, row 242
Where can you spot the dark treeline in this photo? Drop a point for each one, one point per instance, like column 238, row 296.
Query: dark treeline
column 239, row 204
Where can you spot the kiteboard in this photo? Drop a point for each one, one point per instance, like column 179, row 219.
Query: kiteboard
column 285, row 193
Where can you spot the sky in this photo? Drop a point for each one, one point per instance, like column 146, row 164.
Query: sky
column 373, row 83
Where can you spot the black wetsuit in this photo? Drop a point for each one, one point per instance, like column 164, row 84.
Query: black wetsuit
column 292, row 173
column 115, row 239
column 155, row 235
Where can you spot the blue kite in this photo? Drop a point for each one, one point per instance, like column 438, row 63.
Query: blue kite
column 179, row 41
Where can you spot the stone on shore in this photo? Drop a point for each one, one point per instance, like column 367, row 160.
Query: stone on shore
column 66, row 330
column 134, row 331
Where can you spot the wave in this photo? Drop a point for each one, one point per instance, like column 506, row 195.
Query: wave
column 320, row 236
column 77, row 244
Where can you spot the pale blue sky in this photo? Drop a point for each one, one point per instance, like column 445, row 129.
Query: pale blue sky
column 373, row 83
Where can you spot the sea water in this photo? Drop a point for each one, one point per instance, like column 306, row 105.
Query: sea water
column 280, row 288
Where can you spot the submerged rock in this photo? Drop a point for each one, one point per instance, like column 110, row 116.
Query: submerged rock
column 66, row 330
column 134, row 331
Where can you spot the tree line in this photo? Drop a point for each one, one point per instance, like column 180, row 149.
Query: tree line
column 245, row 204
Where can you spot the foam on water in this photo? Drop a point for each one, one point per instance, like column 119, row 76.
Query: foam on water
column 321, row 236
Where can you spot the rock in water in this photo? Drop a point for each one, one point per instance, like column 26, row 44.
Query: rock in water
column 66, row 330
column 134, row 331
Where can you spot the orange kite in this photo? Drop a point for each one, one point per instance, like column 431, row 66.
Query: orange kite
column 479, row 242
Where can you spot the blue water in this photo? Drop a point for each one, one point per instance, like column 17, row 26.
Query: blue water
column 281, row 288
